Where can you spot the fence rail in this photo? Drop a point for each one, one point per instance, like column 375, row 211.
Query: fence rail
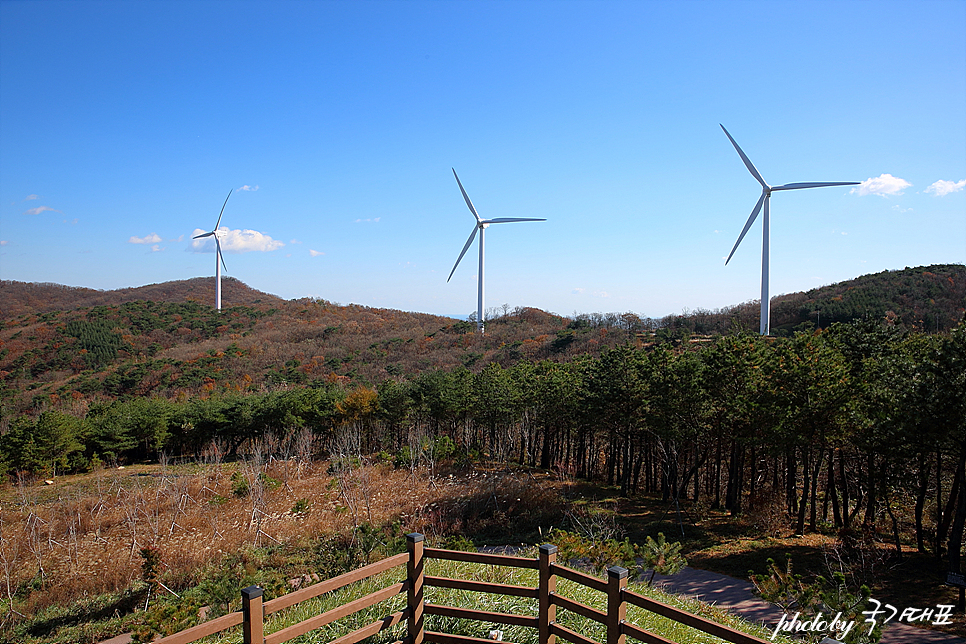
column 253, row 613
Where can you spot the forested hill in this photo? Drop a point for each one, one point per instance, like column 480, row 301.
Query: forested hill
column 61, row 344
column 174, row 349
column 22, row 298
column 927, row 298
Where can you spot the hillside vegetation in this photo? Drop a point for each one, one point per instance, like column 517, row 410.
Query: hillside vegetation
column 181, row 349
column 25, row 298
column 63, row 344
column 928, row 298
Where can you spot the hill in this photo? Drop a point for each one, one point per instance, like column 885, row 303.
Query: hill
column 60, row 344
column 182, row 348
column 927, row 298
column 26, row 298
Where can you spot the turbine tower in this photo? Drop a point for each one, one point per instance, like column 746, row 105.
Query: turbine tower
column 763, row 201
column 219, row 259
column 480, row 226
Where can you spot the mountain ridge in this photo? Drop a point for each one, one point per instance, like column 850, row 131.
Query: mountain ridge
column 927, row 298
column 21, row 298
column 915, row 304
column 117, row 346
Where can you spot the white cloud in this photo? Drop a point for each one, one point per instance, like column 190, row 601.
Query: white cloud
column 248, row 188
column 883, row 185
column 942, row 188
column 577, row 290
column 235, row 241
column 315, row 253
column 30, row 197
column 157, row 248
column 40, row 209
column 3, row 242
column 294, row 241
column 901, row 209
column 153, row 238
column 369, row 220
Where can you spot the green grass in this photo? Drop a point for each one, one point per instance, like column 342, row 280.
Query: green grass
column 89, row 619
column 496, row 603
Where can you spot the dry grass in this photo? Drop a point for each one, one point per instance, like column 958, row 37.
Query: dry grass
column 82, row 536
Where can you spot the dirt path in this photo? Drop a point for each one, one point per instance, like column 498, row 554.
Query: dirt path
column 737, row 596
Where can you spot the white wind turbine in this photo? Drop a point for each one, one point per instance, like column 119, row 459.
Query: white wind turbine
column 481, row 225
column 219, row 259
column 763, row 200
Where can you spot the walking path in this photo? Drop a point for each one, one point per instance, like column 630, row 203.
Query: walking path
column 737, row 596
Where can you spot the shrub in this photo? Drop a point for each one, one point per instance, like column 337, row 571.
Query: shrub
column 583, row 552
column 782, row 587
column 663, row 557
column 768, row 513
column 239, row 485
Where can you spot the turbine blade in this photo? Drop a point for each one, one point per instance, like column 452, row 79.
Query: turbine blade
column 821, row 184
column 504, row 220
column 205, row 235
column 465, row 248
column 223, row 209
column 220, row 256
column 748, row 164
column 465, row 197
column 751, row 220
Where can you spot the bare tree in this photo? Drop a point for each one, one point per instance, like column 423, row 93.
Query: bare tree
column 348, row 464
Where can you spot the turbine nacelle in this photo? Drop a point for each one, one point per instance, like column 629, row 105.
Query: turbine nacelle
column 213, row 233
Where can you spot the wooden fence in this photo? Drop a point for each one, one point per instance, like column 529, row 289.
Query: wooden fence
column 253, row 613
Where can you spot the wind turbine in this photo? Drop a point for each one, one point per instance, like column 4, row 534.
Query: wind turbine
column 218, row 255
column 763, row 201
column 481, row 225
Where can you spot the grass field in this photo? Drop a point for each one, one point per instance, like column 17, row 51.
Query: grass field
column 72, row 565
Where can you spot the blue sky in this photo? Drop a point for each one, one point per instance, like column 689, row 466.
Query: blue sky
column 123, row 126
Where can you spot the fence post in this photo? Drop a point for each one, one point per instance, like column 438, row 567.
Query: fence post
column 414, row 596
column 545, row 591
column 253, row 626
column 616, row 608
